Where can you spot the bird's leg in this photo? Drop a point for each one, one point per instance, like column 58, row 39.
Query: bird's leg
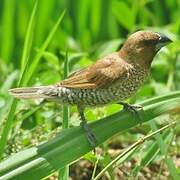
column 132, row 108
column 90, row 136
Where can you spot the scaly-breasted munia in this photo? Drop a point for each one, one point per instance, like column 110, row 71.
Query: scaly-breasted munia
column 111, row 79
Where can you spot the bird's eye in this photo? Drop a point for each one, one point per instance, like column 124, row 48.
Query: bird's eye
column 150, row 42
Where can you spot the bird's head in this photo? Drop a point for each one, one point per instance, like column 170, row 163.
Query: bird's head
column 142, row 46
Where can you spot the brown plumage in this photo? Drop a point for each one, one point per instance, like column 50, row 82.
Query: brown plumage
column 139, row 49
column 111, row 79
column 99, row 75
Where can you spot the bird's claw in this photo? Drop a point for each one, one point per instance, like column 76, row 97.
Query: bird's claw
column 132, row 108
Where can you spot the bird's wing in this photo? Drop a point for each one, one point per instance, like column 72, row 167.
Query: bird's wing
column 99, row 75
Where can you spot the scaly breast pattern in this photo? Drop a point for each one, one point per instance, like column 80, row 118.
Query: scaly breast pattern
column 123, row 88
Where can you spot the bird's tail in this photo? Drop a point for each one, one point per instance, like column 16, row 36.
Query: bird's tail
column 33, row 92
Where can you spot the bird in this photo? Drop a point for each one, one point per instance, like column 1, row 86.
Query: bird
column 111, row 79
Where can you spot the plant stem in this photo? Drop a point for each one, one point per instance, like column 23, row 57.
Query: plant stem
column 137, row 143
column 64, row 173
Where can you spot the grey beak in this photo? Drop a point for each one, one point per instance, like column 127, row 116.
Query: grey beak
column 163, row 41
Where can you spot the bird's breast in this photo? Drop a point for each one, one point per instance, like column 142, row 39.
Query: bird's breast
column 121, row 89
column 127, row 85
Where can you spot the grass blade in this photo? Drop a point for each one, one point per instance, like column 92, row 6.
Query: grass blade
column 130, row 149
column 163, row 149
column 64, row 172
column 26, row 51
column 96, row 6
column 37, row 58
column 149, row 156
column 7, row 31
column 28, row 40
column 45, row 159
column 44, row 13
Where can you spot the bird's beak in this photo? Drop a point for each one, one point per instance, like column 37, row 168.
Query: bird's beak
column 163, row 41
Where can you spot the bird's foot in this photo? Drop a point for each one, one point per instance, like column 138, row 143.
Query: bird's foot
column 90, row 135
column 134, row 109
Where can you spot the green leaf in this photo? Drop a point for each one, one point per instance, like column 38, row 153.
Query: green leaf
column 7, row 33
column 107, row 47
column 64, row 172
column 150, row 154
column 163, row 149
column 43, row 160
column 37, row 58
column 124, row 14
column 29, row 39
column 26, row 51
column 96, row 6
column 44, row 13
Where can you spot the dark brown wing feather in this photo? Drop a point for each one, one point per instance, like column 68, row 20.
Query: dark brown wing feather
column 99, row 75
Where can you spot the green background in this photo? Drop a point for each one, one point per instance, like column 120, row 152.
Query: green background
column 89, row 30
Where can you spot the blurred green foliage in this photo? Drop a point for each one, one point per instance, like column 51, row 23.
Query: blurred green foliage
column 89, row 30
